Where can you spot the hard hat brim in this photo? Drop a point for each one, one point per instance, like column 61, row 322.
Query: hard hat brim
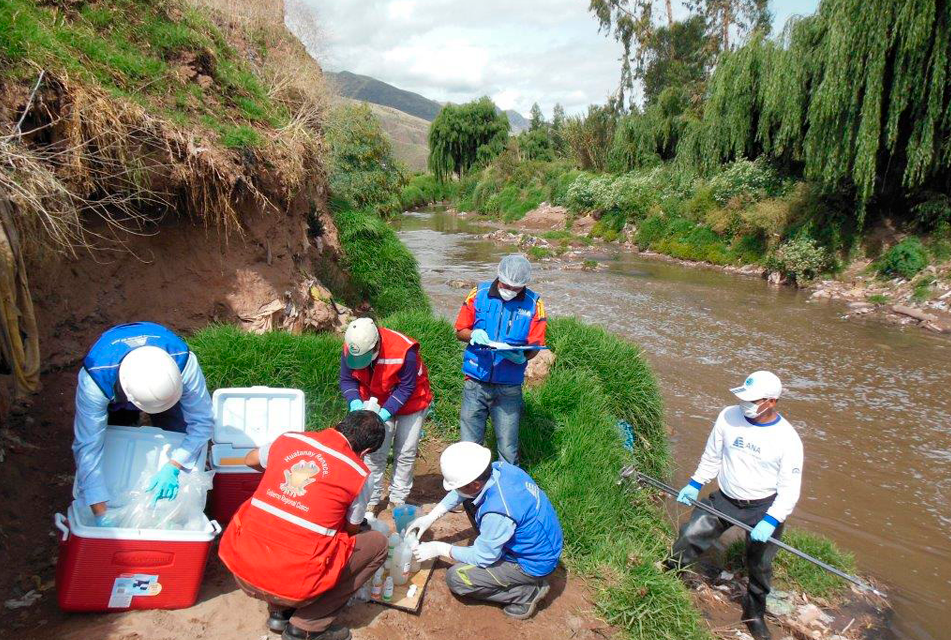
column 481, row 462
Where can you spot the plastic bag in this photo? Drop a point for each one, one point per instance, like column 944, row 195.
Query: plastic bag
column 135, row 510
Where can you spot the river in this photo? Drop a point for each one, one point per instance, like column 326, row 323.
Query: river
column 871, row 402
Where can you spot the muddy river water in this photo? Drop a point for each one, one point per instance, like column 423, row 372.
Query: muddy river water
column 872, row 403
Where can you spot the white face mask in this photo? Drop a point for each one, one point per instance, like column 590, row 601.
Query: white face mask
column 751, row 410
column 507, row 294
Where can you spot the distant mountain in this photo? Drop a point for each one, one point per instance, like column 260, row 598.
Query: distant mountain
column 367, row 89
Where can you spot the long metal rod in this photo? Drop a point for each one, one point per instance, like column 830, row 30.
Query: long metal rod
column 657, row 484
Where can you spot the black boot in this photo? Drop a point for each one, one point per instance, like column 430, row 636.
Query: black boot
column 758, row 628
column 333, row 632
column 279, row 619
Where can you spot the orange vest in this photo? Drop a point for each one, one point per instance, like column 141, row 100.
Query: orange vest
column 383, row 375
column 289, row 539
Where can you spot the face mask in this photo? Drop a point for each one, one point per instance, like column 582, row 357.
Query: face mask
column 751, row 409
column 507, row 294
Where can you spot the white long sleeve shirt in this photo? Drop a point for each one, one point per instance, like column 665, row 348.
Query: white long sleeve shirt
column 752, row 461
column 92, row 413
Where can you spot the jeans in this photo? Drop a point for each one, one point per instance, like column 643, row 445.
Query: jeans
column 403, row 433
column 703, row 529
column 504, row 403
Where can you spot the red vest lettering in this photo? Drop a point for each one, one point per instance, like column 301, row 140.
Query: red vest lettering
column 382, row 377
column 290, row 538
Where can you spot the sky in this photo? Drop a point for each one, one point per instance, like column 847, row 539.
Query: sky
column 515, row 51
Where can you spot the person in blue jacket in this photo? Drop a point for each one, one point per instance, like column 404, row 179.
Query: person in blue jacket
column 520, row 540
column 136, row 368
column 500, row 310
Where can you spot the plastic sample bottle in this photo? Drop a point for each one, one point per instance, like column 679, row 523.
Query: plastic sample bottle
column 376, row 589
column 412, row 542
column 402, row 561
column 388, row 589
column 391, row 545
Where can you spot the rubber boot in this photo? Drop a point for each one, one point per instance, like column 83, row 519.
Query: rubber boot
column 756, row 623
column 279, row 619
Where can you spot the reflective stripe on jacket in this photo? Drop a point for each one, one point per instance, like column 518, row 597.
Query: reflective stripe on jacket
column 289, row 539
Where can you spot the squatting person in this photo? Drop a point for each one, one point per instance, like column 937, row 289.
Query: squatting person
column 297, row 542
column 756, row 456
column 384, row 364
column 519, row 542
column 500, row 310
column 132, row 369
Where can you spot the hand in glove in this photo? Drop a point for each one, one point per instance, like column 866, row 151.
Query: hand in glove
column 106, row 519
column 165, row 483
column 385, row 415
column 687, row 494
column 428, row 550
column 479, row 336
column 762, row 531
column 356, row 405
column 421, row 524
column 518, row 357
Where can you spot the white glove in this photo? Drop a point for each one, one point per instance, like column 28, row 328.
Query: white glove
column 428, row 550
column 421, row 524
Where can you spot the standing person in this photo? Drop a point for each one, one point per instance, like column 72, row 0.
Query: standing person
column 296, row 543
column 500, row 310
column 132, row 369
column 384, row 364
column 520, row 538
column 756, row 457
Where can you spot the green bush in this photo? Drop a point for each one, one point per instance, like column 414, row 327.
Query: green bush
column 800, row 259
column 750, row 181
column 905, row 259
column 424, row 189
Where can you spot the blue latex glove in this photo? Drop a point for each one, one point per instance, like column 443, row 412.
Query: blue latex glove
column 479, row 336
column 762, row 531
column 687, row 494
column 165, row 483
column 356, row 405
column 518, row 357
column 105, row 520
column 385, row 415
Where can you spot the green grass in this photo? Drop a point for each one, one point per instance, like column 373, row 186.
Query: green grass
column 878, row 298
column 792, row 572
column 537, row 253
column 923, row 288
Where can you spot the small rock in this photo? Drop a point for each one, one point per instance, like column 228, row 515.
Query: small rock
column 779, row 603
column 461, row 284
column 860, row 305
column 809, row 613
column 725, row 576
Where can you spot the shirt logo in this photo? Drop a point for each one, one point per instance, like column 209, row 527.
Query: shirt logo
column 298, row 477
column 740, row 444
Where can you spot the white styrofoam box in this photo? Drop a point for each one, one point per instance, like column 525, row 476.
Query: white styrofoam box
column 249, row 417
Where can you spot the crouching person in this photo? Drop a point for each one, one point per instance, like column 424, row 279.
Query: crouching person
column 519, row 542
column 296, row 544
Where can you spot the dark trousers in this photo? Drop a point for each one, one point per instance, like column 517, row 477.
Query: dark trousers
column 703, row 529
column 127, row 415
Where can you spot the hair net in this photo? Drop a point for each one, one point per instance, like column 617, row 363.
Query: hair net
column 515, row 270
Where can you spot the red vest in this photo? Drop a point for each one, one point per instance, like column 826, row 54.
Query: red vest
column 289, row 539
column 383, row 375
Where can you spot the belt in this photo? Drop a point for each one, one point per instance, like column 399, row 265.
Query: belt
column 749, row 503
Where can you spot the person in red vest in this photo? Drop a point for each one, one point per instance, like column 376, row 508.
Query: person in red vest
column 382, row 364
column 297, row 542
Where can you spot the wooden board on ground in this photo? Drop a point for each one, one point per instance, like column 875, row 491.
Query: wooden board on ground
column 402, row 601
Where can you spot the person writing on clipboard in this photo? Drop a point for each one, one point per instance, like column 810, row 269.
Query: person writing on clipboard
column 503, row 311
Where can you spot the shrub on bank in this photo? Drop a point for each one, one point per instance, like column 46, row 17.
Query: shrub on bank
column 800, row 259
column 424, row 189
column 905, row 259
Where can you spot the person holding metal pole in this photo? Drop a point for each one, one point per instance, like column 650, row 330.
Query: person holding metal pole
column 756, row 457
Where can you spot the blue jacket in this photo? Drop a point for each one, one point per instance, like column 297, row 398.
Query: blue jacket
column 537, row 542
column 508, row 322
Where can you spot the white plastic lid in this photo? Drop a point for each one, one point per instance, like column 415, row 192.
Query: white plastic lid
column 128, row 451
column 249, row 417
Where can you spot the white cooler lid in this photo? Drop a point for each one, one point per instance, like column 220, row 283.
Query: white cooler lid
column 128, row 451
column 249, row 417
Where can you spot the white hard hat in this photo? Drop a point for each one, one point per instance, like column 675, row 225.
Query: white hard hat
column 361, row 338
column 759, row 385
column 463, row 462
column 150, row 379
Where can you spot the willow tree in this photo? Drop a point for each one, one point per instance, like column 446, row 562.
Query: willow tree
column 466, row 136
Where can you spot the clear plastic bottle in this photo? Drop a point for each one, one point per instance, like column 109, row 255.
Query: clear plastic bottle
column 391, row 545
column 402, row 561
column 388, row 589
column 376, row 589
column 412, row 542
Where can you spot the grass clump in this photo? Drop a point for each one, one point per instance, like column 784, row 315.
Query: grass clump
column 923, row 288
column 424, row 189
column 905, row 259
column 878, row 298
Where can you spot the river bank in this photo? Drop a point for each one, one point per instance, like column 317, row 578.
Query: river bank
column 548, row 233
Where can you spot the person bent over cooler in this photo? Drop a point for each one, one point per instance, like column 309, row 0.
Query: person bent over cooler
column 519, row 542
column 132, row 369
column 384, row 364
column 500, row 310
column 297, row 542
column 756, row 456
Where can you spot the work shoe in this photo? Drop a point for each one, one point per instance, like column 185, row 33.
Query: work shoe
column 279, row 619
column 525, row 611
column 333, row 632
column 758, row 628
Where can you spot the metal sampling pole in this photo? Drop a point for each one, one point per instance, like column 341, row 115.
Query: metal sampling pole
column 629, row 471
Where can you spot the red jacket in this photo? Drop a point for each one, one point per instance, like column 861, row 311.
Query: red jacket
column 385, row 372
column 290, row 538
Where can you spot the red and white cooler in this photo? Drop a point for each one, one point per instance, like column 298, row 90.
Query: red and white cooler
column 246, row 418
column 116, row 569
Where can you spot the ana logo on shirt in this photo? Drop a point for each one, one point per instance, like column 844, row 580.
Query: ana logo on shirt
column 740, row 444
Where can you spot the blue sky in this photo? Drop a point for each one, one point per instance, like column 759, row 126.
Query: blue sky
column 516, row 52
